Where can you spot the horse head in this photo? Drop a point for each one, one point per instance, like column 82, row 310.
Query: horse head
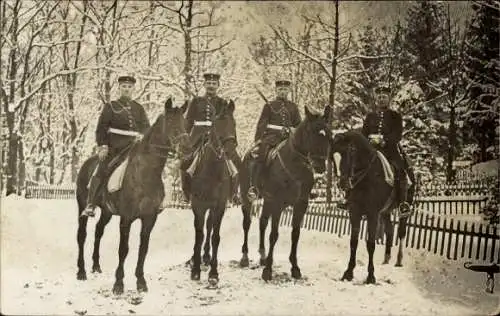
column 168, row 133
column 312, row 138
column 355, row 150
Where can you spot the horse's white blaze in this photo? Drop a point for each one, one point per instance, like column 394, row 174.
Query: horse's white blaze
column 322, row 132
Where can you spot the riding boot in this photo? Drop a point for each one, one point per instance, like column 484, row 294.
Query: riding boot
column 235, row 198
column 186, row 186
column 95, row 184
column 253, row 192
column 401, row 194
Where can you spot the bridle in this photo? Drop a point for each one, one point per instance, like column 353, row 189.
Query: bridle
column 169, row 150
column 354, row 178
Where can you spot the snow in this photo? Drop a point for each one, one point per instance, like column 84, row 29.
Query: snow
column 38, row 270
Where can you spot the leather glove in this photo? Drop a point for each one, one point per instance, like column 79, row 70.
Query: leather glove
column 139, row 137
column 286, row 131
column 103, row 152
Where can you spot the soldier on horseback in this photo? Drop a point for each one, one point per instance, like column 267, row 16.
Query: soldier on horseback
column 201, row 112
column 120, row 123
column 384, row 128
column 276, row 121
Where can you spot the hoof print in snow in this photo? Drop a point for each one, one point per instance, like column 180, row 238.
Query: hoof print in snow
column 81, row 312
column 26, row 286
column 131, row 311
column 135, row 300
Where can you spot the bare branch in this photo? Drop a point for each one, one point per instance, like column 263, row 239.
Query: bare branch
column 295, row 49
column 211, row 50
column 340, row 60
column 350, row 72
column 48, row 45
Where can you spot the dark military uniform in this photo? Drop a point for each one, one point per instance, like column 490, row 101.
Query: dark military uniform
column 389, row 123
column 276, row 119
column 120, row 122
column 201, row 113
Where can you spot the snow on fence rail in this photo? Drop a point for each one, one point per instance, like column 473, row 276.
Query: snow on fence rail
column 444, row 237
column 50, row 191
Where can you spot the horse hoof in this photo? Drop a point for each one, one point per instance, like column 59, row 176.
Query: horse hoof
column 96, row 269
column 262, row 262
column 195, row 276
column 296, row 273
column 189, row 263
column 398, row 264
column 267, row 274
column 206, row 260
column 370, row 279
column 213, row 280
column 142, row 287
column 118, row 289
column 348, row 276
column 244, row 262
column 81, row 276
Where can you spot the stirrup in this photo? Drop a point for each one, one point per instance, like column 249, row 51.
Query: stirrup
column 252, row 194
column 88, row 211
column 404, row 210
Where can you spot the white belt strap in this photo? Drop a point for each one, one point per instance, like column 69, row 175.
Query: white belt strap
column 202, row 123
column 275, row 127
column 123, row 132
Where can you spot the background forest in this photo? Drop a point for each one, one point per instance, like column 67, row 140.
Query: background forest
column 60, row 61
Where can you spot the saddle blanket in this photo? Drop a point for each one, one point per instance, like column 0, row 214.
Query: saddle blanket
column 389, row 170
column 116, row 179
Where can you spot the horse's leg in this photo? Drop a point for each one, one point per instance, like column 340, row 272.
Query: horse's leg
column 213, row 275
column 263, row 221
column 206, row 248
column 99, row 231
column 401, row 237
column 273, row 237
column 81, row 236
column 125, row 224
column 298, row 214
column 389, row 236
column 247, row 220
column 355, row 220
column 147, row 224
column 199, row 219
column 370, row 246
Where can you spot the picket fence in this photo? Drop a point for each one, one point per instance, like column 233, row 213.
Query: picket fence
column 447, row 237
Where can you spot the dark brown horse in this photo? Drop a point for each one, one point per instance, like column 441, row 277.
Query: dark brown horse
column 368, row 195
column 287, row 181
column 140, row 196
column 211, row 190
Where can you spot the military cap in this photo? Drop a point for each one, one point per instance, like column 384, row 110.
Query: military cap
column 126, row 79
column 283, row 83
column 211, row 76
column 382, row 89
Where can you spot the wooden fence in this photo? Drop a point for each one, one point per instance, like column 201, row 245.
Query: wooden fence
column 451, row 238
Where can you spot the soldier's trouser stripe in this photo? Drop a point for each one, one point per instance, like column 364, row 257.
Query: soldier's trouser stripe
column 123, row 132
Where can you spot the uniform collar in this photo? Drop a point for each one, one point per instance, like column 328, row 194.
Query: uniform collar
column 125, row 101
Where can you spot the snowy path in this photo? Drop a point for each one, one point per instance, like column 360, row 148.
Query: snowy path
column 38, row 261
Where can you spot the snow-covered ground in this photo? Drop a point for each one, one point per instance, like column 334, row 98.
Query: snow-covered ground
column 38, row 272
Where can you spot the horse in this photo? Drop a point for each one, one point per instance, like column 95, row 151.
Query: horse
column 370, row 195
column 286, row 181
column 210, row 191
column 139, row 197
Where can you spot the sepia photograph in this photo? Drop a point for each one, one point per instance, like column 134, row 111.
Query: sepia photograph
column 249, row 157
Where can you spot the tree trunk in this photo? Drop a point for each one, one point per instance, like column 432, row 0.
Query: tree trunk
column 331, row 101
column 451, row 146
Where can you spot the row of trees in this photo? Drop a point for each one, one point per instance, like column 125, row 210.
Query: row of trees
column 60, row 60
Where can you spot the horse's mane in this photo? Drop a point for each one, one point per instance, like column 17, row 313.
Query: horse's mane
column 359, row 140
column 149, row 132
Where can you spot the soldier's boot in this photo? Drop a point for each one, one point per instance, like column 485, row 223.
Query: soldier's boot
column 95, row 184
column 255, row 170
column 186, row 186
column 401, row 194
column 235, row 197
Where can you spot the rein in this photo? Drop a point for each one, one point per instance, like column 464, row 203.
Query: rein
column 359, row 176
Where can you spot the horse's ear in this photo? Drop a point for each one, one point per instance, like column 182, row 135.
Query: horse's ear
column 168, row 104
column 184, row 106
column 326, row 112
column 308, row 113
column 230, row 106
